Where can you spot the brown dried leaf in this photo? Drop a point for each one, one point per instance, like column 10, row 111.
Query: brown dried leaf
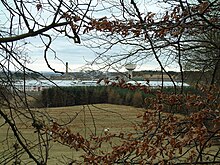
column 39, row 6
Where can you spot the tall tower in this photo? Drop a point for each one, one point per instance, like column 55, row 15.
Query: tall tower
column 67, row 68
column 130, row 67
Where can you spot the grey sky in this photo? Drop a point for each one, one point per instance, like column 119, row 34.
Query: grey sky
column 67, row 51
column 63, row 51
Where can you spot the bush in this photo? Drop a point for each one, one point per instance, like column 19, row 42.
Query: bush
column 137, row 99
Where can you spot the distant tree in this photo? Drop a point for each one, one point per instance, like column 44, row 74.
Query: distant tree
column 113, row 96
column 204, row 55
column 128, row 99
column 137, row 99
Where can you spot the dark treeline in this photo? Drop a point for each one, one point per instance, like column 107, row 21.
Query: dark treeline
column 69, row 96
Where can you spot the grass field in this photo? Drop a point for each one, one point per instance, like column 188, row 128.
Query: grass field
column 86, row 120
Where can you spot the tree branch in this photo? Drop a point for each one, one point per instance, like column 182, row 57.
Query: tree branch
column 32, row 34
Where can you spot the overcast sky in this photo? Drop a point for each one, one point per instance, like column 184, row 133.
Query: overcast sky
column 67, row 51
column 64, row 50
column 76, row 55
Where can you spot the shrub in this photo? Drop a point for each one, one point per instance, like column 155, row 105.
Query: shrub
column 137, row 99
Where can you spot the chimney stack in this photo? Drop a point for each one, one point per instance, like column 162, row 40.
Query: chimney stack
column 66, row 68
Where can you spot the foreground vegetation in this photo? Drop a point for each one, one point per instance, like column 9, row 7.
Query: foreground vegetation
column 181, row 34
column 111, row 129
